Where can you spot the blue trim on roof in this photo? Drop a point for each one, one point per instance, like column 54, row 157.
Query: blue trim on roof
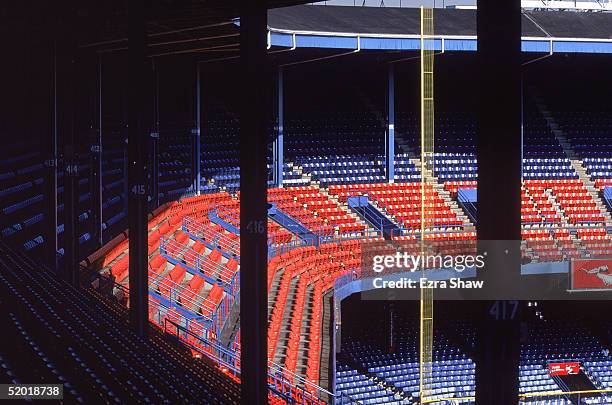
column 279, row 39
column 316, row 41
column 413, row 44
column 462, row 45
column 390, row 43
column 536, row 46
column 583, row 47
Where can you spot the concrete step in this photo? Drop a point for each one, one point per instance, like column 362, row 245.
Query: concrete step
column 302, row 360
column 273, row 293
column 283, row 337
column 326, row 343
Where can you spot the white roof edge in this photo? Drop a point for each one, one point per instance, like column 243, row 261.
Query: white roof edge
column 416, row 36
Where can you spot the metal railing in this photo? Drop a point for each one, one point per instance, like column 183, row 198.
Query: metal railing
column 225, row 218
column 172, row 295
column 195, row 332
column 282, row 382
column 280, row 248
column 211, row 236
column 576, row 396
column 199, row 263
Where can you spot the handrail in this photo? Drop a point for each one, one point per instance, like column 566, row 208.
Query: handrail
column 208, row 234
column 175, row 291
column 344, row 237
column 225, row 357
column 173, row 249
column 105, row 281
column 280, row 248
column 563, row 393
column 280, row 380
column 562, row 385
column 227, row 214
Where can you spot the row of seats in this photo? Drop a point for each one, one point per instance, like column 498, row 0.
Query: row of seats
column 558, row 341
column 315, row 210
column 297, row 281
column 402, row 203
column 453, row 372
column 23, row 179
column 81, row 339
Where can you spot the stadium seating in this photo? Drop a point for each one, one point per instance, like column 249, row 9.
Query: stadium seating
column 395, row 375
column 588, row 133
column 315, row 210
column 362, row 388
column 22, row 186
column 174, row 168
column 86, row 344
column 340, row 149
column 193, row 243
column 559, row 341
column 333, row 133
column 402, row 203
column 297, row 280
column 367, row 369
column 190, row 264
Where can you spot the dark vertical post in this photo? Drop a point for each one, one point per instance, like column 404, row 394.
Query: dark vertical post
column 155, row 134
column 275, row 103
column 279, row 146
column 96, row 167
column 197, row 131
column 522, row 121
column 138, row 139
column 51, row 180
column 255, row 113
column 67, row 74
column 390, row 141
column 499, row 196
column 499, row 121
column 124, row 146
column 123, row 139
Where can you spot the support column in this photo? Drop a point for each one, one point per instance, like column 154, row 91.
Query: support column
column 522, row 121
column 51, row 180
column 71, row 242
column 138, row 139
column 96, row 167
column 390, row 140
column 66, row 103
column 154, row 194
column 155, row 134
column 196, row 132
column 275, row 104
column 279, row 157
column 125, row 168
column 499, row 196
column 255, row 113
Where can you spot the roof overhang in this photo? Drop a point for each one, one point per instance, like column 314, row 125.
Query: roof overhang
column 441, row 43
column 397, row 29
